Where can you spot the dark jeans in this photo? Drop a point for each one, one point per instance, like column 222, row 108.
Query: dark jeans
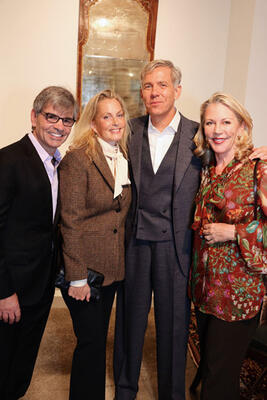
column 90, row 324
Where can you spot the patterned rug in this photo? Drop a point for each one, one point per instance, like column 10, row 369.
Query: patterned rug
column 253, row 378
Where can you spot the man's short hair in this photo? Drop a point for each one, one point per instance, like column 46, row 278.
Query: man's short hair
column 57, row 96
column 176, row 73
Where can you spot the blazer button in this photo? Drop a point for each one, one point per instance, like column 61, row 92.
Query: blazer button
column 115, row 231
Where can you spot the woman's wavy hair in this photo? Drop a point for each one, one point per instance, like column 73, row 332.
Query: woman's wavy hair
column 84, row 136
column 243, row 143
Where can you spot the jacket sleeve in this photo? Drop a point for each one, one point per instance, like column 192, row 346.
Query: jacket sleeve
column 7, row 195
column 73, row 195
column 252, row 237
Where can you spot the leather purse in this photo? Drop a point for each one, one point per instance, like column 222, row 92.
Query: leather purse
column 94, row 279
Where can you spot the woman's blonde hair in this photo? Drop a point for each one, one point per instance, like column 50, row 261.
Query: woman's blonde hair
column 84, row 136
column 243, row 143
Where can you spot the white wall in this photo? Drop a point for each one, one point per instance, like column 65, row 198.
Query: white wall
column 239, row 47
column 38, row 47
column 246, row 66
column 194, row 34
column 256, row 92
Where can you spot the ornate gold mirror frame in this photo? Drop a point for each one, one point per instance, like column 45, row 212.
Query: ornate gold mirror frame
column 116, row 38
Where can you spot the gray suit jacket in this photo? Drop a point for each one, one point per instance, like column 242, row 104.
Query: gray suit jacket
column 186, row 183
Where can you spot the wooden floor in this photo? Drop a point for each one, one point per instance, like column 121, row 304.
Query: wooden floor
column 51, row 376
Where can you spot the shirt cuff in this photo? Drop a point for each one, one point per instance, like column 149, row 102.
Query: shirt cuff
column 79, row 283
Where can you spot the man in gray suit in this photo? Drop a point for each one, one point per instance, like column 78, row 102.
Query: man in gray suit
column 165, row 178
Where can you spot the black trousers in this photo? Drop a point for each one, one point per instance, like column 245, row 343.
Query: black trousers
column 19, row 344
column 90, row 324
column 153, row 267
column 223, row 347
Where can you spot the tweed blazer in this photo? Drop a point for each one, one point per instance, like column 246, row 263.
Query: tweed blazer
column 92, row 222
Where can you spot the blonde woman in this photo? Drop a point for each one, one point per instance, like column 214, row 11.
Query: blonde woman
column 95, row 198
column 229, row 254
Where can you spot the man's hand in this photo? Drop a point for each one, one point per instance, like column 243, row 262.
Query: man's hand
column 10, row 309
column 80, row 293
column 218, row 232
column 260, row 152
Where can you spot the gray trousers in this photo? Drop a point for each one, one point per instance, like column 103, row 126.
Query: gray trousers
column 153, row 266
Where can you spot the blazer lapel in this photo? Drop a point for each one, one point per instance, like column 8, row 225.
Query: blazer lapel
column 102, row 165
column 37, row 165
column 184, row 152
column 35, row 158
column 135, row 147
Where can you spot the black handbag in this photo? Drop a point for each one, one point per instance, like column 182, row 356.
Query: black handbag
column 94, row 279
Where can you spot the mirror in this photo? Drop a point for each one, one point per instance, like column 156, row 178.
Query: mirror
column 116, row 39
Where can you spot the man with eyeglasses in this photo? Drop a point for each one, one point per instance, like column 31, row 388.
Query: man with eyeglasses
column 28, row 232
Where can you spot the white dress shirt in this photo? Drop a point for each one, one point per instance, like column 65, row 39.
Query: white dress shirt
column 159, row 142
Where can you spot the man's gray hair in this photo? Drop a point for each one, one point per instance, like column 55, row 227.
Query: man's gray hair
column 57, row 96
column 176, row 73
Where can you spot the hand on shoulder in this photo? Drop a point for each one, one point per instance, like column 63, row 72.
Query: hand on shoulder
column 259, row 152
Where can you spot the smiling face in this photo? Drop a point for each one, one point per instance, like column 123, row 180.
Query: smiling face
column 159, row 93
column 51, row 135
column 109, row 122
column 221, row 128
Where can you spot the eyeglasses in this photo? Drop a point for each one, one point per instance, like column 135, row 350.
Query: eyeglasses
column 53, row 118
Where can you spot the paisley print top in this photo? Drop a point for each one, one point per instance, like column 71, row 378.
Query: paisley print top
column 225, row 278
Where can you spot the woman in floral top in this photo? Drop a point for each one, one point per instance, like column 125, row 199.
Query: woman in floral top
column 230, row 247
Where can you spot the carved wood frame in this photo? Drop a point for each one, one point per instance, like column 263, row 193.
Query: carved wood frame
column 151, row 6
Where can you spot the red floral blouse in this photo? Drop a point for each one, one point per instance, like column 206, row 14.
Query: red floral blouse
column 225, row 278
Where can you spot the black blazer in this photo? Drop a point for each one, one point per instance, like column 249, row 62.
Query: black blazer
column 186, row 183
column 27, row 232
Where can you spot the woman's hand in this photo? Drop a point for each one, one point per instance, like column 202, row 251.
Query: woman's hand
column 218, row 232
column 80, row 292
